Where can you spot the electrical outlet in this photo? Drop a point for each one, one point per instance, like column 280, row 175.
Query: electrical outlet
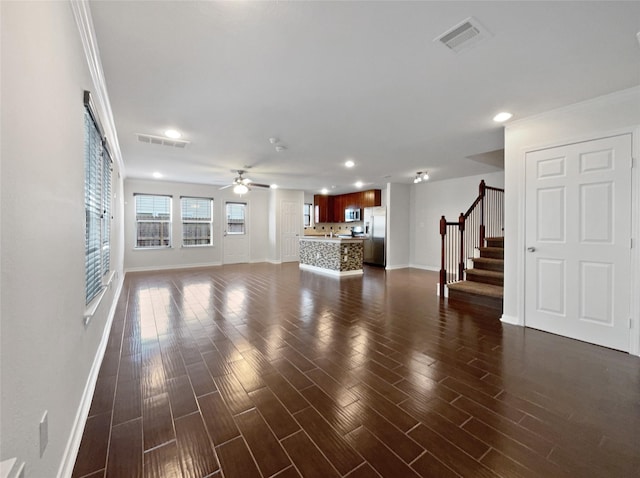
column 44, row 432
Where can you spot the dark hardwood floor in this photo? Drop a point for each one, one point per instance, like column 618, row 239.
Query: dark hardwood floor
column 261, row 370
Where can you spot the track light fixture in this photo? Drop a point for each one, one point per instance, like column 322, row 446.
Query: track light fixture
column 420, row 176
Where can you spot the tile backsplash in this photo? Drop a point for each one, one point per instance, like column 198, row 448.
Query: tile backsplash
column 335, row 227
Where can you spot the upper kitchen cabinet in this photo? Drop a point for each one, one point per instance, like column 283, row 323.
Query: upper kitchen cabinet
column 338, row 207
column 371, row 198
column 332, row 208
column 323, row 208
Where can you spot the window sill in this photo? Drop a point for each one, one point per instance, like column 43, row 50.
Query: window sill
column 95, row 303
column 153, row 248
column 196, row 246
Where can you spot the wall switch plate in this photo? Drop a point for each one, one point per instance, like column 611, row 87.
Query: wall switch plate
column 44, row 432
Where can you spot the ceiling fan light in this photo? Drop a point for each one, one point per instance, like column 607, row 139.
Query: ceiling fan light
column 425, row 176
column 240, row 189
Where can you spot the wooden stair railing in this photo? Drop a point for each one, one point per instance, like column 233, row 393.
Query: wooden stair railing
column 460, row 239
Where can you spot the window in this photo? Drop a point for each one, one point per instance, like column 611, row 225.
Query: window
column 197, row 221
column 307, row 214
column 236, row 223
column 153, row 221
column 97, row 202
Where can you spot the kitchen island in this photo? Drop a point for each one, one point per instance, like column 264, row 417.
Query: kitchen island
column 338, row 256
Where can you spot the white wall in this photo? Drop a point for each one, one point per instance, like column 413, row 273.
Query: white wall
column 47, row 352
column 611, row 114
column 432, row 199
column 397, row 200
column 177, row 256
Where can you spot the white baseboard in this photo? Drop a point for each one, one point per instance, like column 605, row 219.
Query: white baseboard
column 331, row 272
column 425, row 268
column 73, row 444
column 399, row 266
column 508, row 319
column 171, row 267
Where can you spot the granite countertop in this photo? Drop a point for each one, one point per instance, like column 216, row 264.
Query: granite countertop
column 331, row 239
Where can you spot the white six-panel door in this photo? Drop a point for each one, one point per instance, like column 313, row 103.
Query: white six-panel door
column 578, row 239
column 290, row 225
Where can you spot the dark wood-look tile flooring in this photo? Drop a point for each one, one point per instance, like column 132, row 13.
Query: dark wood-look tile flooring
column 261, row 370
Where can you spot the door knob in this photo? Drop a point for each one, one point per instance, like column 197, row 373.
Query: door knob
column 531, row 249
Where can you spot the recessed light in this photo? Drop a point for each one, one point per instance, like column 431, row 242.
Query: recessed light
column 172, row 133
column 157, row 175
column 349, row 164
column 274, row 186
column 280, row 148
column 358, row 184
column 324, row 190
column 502, row 117
column 273, row 140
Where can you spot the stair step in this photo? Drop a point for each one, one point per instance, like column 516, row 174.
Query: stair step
column 488, row 263
column 476, row 294
column 477, row 288
column 492, row 252
column 484, row 276
column 494, row 241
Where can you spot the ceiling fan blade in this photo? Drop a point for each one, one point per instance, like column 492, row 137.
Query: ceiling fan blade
column 225, row 187
column 259, row 185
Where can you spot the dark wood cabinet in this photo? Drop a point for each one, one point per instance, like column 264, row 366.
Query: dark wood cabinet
column 352, row 200
column 323, row 208
column 338, row 208
column 371, row 198
column 331, row 208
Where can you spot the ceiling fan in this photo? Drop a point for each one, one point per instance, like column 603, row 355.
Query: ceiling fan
column 242, row 185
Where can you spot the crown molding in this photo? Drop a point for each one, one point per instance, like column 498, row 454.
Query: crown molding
column 84, row 22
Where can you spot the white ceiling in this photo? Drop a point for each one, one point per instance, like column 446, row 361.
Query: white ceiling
column 340, row 80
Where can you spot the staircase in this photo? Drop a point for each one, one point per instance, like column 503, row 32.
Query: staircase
column 479, row 229
column 483, row 284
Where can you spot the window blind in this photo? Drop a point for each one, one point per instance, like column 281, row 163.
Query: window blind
column 97, row 199
column 236, row 217
column 153, row 220
column 197, row 221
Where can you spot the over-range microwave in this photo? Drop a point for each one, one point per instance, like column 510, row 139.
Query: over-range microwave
column 351, row 215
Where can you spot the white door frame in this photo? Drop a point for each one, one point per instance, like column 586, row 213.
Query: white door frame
column 634, row 283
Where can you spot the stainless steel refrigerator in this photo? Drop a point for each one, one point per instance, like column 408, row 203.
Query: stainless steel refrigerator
column 375, row 230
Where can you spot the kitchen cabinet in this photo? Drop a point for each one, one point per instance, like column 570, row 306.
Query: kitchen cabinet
column 331, row 208
column 323, row 208
column 338, row 208
column 371, row 198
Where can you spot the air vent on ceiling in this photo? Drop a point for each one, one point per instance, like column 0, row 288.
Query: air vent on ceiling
column 463, row 35
column 159, row 140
